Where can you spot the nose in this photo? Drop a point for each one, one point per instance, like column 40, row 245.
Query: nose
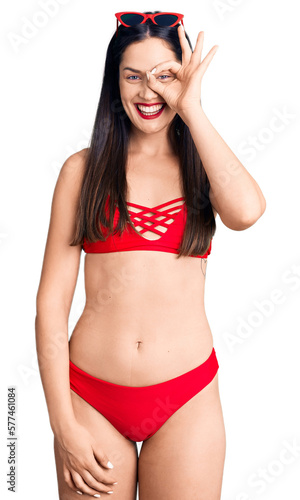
column 145, row 92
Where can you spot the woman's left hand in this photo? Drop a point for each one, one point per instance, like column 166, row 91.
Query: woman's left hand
column 182, row 94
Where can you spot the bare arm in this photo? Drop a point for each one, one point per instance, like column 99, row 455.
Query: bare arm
column 55, row 295
column 234, row 194
column 84, row 463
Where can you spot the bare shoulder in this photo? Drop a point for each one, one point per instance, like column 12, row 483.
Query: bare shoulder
column 66, row 195
column 73, row 168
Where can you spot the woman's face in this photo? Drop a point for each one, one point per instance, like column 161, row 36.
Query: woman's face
column 138, row 58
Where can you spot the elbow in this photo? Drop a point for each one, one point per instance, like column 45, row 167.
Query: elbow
column 254, row 215
column 249, row 217
column 246, row 218
column 248, row 221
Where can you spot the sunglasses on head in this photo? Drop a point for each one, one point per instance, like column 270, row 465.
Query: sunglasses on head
column 129, row 19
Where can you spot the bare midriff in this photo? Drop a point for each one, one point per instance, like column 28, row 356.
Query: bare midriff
column 144, row 320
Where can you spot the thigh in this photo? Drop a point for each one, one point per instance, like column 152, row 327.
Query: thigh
column 185, row 457
column 121, row 452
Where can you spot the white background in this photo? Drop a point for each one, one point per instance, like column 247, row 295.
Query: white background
column 50, row 89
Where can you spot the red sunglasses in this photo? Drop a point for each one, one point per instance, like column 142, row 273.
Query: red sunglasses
column 129, row 19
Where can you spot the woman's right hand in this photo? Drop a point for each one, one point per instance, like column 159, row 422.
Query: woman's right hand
column 85, row 467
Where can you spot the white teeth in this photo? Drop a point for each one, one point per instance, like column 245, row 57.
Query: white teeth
column 147, row 110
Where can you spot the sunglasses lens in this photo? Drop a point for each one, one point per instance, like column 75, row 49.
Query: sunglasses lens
column 166, row 19
column 132, row 19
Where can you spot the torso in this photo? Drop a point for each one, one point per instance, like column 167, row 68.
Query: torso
column 144, row 320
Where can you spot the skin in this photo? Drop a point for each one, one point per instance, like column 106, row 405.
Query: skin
column 177, row 83
column 148, row 134
column 139, row 336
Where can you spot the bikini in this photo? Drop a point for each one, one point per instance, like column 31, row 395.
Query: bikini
column 138, row 412
column 172, row 218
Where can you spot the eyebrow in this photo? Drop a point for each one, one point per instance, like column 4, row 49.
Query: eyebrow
column 135, row 70
column 131, row 69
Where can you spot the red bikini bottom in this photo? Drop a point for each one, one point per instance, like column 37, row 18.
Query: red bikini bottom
column 138, row 412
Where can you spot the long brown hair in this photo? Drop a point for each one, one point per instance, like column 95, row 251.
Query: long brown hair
column 107, row 156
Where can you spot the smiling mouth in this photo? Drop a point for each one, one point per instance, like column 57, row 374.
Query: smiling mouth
column 152, row 110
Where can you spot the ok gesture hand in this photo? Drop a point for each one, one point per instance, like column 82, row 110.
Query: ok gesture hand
column 182, row 94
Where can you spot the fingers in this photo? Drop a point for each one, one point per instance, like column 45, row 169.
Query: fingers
column 101, row 476
column 185, row 46
column 171, row 65
column 88, row 480
column 101, row 458
column 98, row 486
column 154, row 85
column 152, row 77
column 68, row 479
column 196, row 56
column 152, row 80
column 208, row 58
column 75, row 482
column 85, row 468
column 82, row 486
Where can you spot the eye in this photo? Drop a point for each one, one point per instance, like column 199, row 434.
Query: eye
column 134, row 77
column 165, row 78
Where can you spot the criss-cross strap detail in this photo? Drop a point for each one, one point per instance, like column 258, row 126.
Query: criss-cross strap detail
column 155, row 220
column 164, row 224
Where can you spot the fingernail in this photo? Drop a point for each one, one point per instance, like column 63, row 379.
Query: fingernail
column 98, row 496
column 109, row 492
column 79, row 492
column 110, row 465
column 115, row 483
column 153, row 71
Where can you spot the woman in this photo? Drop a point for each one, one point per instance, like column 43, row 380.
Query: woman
column 141, row 201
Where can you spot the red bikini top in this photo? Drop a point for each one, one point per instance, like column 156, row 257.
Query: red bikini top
column 173, row 219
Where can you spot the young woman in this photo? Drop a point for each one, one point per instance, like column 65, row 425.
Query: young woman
column 141, row 202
